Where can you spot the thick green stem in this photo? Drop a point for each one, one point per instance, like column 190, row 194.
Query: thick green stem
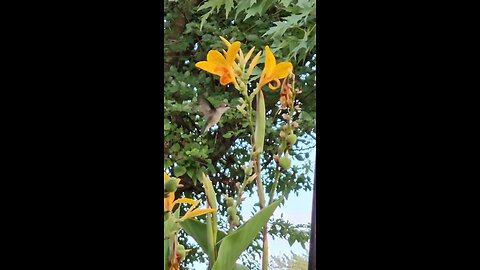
column 211, row 243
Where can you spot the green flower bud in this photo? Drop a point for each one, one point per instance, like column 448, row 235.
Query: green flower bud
column 285, row 162
column 236, row 220
column 248, row 171
column 229, row 201
column 232, row 211
column 171, row 185
column 291, row 139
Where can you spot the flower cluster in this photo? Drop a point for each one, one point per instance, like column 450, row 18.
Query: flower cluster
column 225, row 66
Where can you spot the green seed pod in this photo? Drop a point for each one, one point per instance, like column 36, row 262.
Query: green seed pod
column 248, row 171
column 232, row 211
column 171, row 185
column 291, row 139
column 229, row 201
column 285, row 162
column 236, row 220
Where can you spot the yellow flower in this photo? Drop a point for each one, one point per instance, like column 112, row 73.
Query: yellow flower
column 272, row 71
column 221, row 65
column 169, row 202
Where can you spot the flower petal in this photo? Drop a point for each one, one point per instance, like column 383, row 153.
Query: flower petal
column 226, row 79
column 232, row 52
column 165, row 177
column 247, row 57
column 274, row 87
column 253, row 64
column 270, row 61
column 198, row 212
column 186, row 200
column 227, row 43
column 216, row 57
column 168, row 202
column 209, row 67
column 282, row 70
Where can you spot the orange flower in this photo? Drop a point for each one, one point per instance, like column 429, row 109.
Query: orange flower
column 169, row 202
column 272, row 71
column 221, row 65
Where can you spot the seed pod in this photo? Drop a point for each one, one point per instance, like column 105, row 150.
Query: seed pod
column 232, row 211
column 248, row 171
column 236, row 220
column 229, row 201
column 285, row 162
column 291, row 139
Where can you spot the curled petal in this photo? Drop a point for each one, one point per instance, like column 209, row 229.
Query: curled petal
column 274, row 87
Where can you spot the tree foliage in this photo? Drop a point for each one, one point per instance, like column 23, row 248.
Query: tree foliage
column 293, row 262
column 191, row 28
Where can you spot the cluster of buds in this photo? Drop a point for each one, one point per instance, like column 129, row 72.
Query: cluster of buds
column 287, row 134
column 233, row 218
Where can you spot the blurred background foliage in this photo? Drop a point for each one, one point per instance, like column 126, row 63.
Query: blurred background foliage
column 191, row 29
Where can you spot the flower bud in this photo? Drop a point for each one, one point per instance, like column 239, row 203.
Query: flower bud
column 282, row 134
column 170, row 185
column 294, row 124
column 229, row 201
column 249, row 170
column 285, row 162
column 291, row 139
column 232, row 211
column 236, row 220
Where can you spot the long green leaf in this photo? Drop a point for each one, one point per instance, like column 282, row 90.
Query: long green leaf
column 197, row 230
column 237, row 242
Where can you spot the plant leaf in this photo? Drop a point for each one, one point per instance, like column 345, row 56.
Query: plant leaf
column 197, row 230
column 237, row 242
column 179, row 171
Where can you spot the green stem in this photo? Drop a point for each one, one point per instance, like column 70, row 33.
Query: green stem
column 211, row 243
column 275, row 184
